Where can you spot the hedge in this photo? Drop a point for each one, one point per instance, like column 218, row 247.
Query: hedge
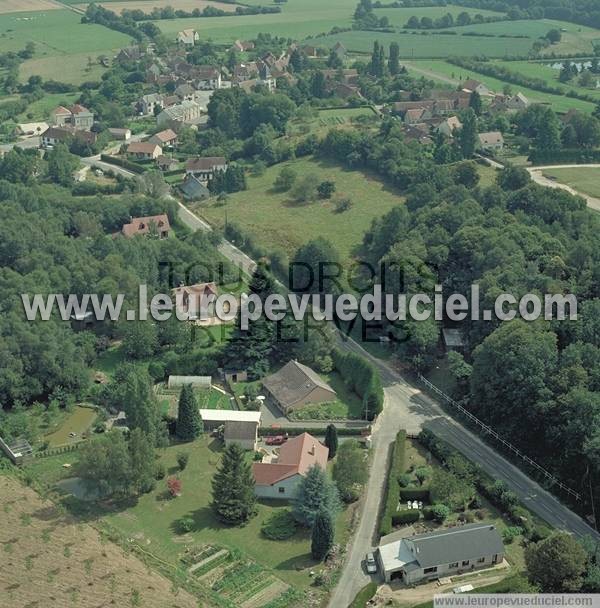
column 298, row 430
column 500, row 496
column 362, row 377
column 122, row 162
column 407, row 516
column 415, row 494
column 392, row 488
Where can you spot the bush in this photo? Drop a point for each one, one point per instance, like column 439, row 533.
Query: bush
column 281, row 525
column 344, row 204
column 185, row 524
column 440, row 513
column 415, row 494
column 159, row 471
column 509, row 534
column 156, row 369
column 182, row 460
column 392, row 491
column 404, row 480
column 407, row 516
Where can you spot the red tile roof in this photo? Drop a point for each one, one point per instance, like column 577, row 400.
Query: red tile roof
column 296, row 456
column 141, row 225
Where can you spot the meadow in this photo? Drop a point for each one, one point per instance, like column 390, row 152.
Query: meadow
column 449, row 73
column 584, row 179
column 278, row 222
column 399, row 16
column 58, row 35
column 428, row 44
column 544, row 71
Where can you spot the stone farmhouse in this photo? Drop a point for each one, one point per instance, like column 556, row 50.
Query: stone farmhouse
column 77, row 116
column 204, row 168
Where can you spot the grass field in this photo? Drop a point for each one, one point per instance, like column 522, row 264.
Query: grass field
column 40, row 110
column 430, row 45
column 78, row 421
column 399, row 16
column 148, row 5
column 278, row 222
column 51, row 560
column 63, row 43
column 448, row 72
column 544, row 71
column 586, row 180
column 19, row 6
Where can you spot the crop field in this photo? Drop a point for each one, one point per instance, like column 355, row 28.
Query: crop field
column 428, row 44
column 20, row 6
column 586, row 180
column 50, row 560
column 452, row 74
column 298, row 19
column 74, row 69
column 148, row 5
column 278, row 222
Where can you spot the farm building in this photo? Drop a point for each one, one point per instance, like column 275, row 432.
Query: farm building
column 195, row 381
column 295, row 385
column 120, row 134
column 423, row 557
column 491, row 141
column 239, row 427
column 279, row 476
column 204, row 168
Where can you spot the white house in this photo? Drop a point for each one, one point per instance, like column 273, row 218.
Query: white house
column 492, row 140
column 279, row 475
column 187, row 37
column 205, row 167
column 442, row 553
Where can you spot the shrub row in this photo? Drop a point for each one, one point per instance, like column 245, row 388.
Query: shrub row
column 494, row 490
column 392, row 488
column 122, row 162
column 363, row 378
column 298, row 430
column 415, row 494
column 407, row 516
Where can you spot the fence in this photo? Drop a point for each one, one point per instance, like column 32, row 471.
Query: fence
column 490, row 431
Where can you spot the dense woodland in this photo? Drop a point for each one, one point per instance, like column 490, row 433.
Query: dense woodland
column 536, row 382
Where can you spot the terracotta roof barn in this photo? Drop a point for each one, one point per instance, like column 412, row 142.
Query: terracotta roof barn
column 295, row 385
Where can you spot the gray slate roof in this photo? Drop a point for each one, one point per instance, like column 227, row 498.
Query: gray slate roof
column 455, row 544
column 293, row 382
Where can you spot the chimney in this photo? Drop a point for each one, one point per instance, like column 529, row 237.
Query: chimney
column 312, row 449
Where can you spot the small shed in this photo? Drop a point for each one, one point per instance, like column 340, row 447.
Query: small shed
column 195, row 381
column 232, row 374
column 239, row 426
column 18, row 451
column 453, row 338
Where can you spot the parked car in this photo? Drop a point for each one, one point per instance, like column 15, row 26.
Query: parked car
column 371, row 563
column 463, row 589
column 276, row 439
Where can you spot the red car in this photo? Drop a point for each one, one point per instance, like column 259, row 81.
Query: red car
column 276, row 439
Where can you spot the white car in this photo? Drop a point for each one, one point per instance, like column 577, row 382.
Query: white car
column 371, row 563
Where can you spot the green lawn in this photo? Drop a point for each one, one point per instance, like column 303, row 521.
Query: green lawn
column 582, row 179
column 40, row 109
column 210, row 399
column 430, row 45
column 151, row 520
column 446, row 71
column 278, row 222
column 78, row 421
column 348, row 404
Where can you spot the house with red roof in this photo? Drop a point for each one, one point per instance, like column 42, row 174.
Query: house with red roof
column 157, row 225
column 278, row 475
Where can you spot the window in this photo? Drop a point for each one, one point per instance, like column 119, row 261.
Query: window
column 481, row 560
column 428, row 570
column 453, row 565
column 465, row 562
column 281, row 490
